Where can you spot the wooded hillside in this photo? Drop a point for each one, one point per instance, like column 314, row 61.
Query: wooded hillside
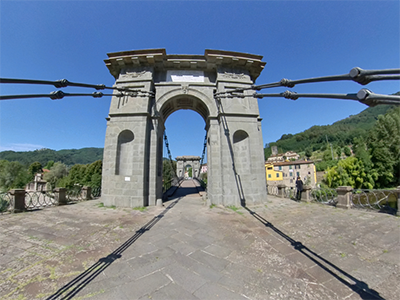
column 68, row 157
column 340, row 133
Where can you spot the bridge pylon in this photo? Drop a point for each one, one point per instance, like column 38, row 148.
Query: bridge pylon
column 133, row 151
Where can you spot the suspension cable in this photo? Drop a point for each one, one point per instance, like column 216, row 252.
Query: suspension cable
column 59, row 95
column 64, row 83
column 202, row 156
column 356, row 74
column 169, row 153
column 364, row 96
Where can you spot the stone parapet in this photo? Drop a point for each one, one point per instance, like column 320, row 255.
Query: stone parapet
column 60, row 196
column 18, row 200
column 344, row 196
column 86, row 193
column 306, row 194
column 281, row 190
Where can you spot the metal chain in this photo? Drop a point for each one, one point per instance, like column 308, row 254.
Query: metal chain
column 169, row 153
column 202, row 156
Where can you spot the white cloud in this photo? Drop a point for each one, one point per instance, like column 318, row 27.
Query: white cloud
column 20, row 147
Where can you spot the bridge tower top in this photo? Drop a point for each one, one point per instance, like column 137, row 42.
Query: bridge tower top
column 160, row 60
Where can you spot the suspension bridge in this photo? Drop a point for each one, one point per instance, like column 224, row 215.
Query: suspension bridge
column 150, row 85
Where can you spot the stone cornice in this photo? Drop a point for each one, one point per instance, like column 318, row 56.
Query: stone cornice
column 212, row 60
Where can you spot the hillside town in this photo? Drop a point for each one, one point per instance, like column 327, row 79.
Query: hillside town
column 284, row 168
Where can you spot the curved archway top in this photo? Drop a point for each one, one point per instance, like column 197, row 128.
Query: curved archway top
column 192, row 99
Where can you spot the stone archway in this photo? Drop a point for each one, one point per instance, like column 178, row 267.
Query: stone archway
column 235, row 157
column 183, row 161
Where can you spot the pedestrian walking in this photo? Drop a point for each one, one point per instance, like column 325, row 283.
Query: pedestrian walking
column 299, row 187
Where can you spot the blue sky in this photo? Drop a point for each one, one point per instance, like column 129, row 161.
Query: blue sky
column 52, row 40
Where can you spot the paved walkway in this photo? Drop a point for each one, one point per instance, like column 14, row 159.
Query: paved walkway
column 186, row 250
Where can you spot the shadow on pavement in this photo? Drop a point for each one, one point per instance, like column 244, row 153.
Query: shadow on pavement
column 182, row 192
column 359, row 287
column 69, row 290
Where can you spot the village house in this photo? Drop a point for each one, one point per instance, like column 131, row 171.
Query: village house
column 287, row 172
column 289, row 155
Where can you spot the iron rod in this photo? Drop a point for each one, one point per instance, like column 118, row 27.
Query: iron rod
column 365, row 96
column 64, row 83
column 56, row 95
column 356, row 74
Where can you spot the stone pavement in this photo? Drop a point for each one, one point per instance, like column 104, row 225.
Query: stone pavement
column 187, row 250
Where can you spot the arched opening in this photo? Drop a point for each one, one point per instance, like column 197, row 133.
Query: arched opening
column 189, row 172
column 185, row 129
column 124, row 157
column 241, row 149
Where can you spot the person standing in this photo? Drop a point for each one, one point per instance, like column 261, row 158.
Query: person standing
column 299, row 187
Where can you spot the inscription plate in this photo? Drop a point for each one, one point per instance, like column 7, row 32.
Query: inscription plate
column 185, row 76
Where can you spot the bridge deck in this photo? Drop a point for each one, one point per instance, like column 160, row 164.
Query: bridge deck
column 186, row 250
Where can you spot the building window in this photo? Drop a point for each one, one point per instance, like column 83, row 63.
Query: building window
column 280, row 168
column 269, row 175
column 298, row 174
column 277, row 175
column 269, row 168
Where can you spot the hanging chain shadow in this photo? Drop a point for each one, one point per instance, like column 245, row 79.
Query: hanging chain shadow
column 69, row 290
column 359, row 286
column 221, row 112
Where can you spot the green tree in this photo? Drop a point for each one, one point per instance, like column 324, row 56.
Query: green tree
column 49, row 165
column 347, row 151
column 75, row 176
column 34, row 168
column 168, row 171
column 308, row 152
column 350, row 172
column 57, row 171
column 12, row 175
column 327, row 155
column 384, row 145
column 93, row 174
column 339, row 152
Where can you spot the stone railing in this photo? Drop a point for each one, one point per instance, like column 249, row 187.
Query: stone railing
column 308, row 194
column 344, row 197
column 383, row 200
column 18, row 200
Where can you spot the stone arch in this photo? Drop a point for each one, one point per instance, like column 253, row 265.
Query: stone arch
column 194, row 100
column 123, row 163
column 184, row 161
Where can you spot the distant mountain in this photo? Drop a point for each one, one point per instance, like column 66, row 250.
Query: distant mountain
column 340, row 133
column 69, row 157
